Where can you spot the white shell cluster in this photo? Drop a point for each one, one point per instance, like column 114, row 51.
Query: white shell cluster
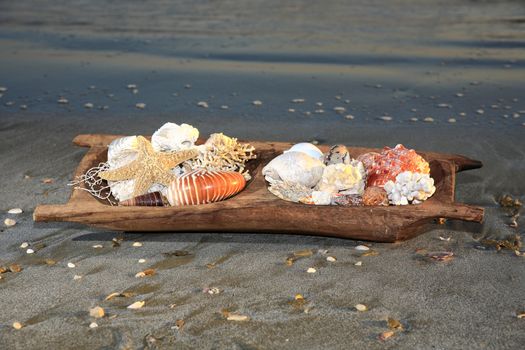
column 173, row 137
column 295, row 168
column 307, row 148
column 170, row 137
column 409, row 188
column 343, row 178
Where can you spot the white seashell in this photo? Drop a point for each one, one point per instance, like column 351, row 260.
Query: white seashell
column 122, row 151
column 15, row 211
column 343, row 178
column 321, row 198
column 362, row 247
column 308, row 148
column 295, row 168
column 173, row 137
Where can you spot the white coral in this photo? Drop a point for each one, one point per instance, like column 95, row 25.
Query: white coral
column 343, row 178
column 409, row 188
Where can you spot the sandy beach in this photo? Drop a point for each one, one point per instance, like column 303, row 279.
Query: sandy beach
column 445, row 77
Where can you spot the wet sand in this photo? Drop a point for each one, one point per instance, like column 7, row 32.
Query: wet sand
column 452, row 66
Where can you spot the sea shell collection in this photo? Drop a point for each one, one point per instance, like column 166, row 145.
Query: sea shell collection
column 171, row 170
column 395, row 176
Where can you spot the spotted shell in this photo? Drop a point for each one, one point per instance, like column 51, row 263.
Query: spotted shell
column 204, row 186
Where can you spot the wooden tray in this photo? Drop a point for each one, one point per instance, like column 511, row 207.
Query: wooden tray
column 255, row 209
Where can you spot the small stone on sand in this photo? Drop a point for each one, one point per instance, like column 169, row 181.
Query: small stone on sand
column 298, row 100
column 459, row 94
column 136, row 305
column 137, row 244
column 330, row 259
column 63, row 101
column 140, row 105
column 98, row 246
column 237, row 317
column 224, row 107
column 96, row 312
column 428, row 119
column 9, row 222
column 480, row 111
column 339, row 109
column 414, row 119
column 202, row 104
column 142, row 261
column 361, row 307
column 15, row 211
column 71, row 265
column 30, row 251
column 131, row 86
column 257, row 103
column 17, row 325
column 3, row 89
column 291, row 110
column 311, row 270
column 359, row 263
column 452, row 120
column 362, row 247
column 386, row 118
column 77, row 277
column 349, row 116
column 88, row 105
column 24, row 245
column 93, row 325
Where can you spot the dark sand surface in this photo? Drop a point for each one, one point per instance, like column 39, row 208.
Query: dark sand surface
column 405, row 60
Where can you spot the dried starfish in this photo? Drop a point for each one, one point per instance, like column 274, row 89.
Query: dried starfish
column 149, row 167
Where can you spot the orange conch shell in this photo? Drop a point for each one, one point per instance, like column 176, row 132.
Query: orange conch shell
column 153, row 199
column 204, row 186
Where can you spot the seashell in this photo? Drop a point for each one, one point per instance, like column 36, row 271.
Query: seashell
column 204, row 186
column 122, row 151
column 385, row 166
column 173, row 137
column 294, row 168
column 351, row 200
column 344, row 178
column 290, row 192
column 337, row 154
column 375, row 195
column 153, row 199
column 307, row 148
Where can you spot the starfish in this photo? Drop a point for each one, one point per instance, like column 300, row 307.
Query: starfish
column 149, row 167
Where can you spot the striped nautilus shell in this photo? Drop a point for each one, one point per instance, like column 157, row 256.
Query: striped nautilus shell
column 204, row 186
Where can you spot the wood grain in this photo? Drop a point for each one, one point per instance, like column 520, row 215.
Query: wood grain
column 257, row 210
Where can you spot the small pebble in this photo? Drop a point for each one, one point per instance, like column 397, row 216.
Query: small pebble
column 137, row 244
column 93, row 325
column 291, row 110
column 136, row 305
column 361, row 307
column 459, row 94
column 142, row 261
column 362, row 247
column 298, row 100
column 311, row 270
column 63, row 101
column 257, row 103
column 3, row 89
column 71, row 265
column 339, row 109
column 428, row 119
column 187, row 86
column 96, row 312
column 140, row 105
column 463, row 114
column 88, row 105
column 349, row 116
column 9, row 222
column 98, row 246
column 452, row 120
column 444, row 105
column 386, row 335
column 330, row 259
column 320, row 104
column 30, row 251
column 480, row 111
column 17, row 325
column 359, row 263
column 132, row 86
column 386, row 118
column 224, row 107
column 202, row 104
column 77, row 277
column 212, row 291
column 413, row 119
column 23, row 107
column 24, row 245
column 319, row 111
column 15, row 211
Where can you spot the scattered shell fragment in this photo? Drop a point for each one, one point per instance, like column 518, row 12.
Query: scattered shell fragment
column 93, row 325
column 520, row 314
column 140, row 105
column 298, row 100
column 386, row 335
column 447, row 239
column 137, row 244
column 480, row 111
column 211, row 291
column 137, row 305
column 88, row 105
column 77, row 277
column 349, row 116
column 359, row 263
column 394, row 324
column 428, row 119
column 452, row 120
column 9, row 222
column 15, row 211
column 142, row 261
column 361, row 307
column 147, row 272
column 362, row 247
column 17, row 325
column 71, row 265
column 339, row 109
column 63, row 101
column 3, row 89
column 233, row 316
column 257, row 103
column 24, row 245
column 330, row 259
column 370, row 253
column 441, row 256
column 118, row 295
column 202, row 104
column 98, row 246
column 30, row 251
column 311, row 270
column 96, row 312
column 15, row 268
column 386, row 118
column 48, row 181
